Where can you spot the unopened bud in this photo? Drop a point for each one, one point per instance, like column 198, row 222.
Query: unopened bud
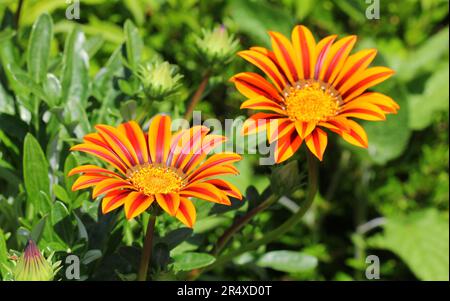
column 217, row 46
column 159, row 79
column 32, row 266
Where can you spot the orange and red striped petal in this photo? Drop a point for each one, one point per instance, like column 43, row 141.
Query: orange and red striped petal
column 136, row 203
column 322, row 49
column 102, row 153
column 189, row 145
column 214, row 161
column 257, row 123
column 363, row 80
column 262, row 103
column 169, row 202
column 253, row 85
column 88, row 180
column 265, row 52
column 205, row 191
column 226, row 187
column 338, row 124
column 362, row 110
column 384, row 102
column 186, row 212
column 114, row 200
column 278, row 128
column 159, row 138
column 335, row 58
column 304, row 46
column 92, row 169
column 137, row 139
column 355, row 134
column 284, row 53
column 304, row 128
column 286, row 147
column 317, row 142
column 109, row 185
column 266, row 65
column 354, row 63
column 119, row 143
column 213, row 172
column 209, row 143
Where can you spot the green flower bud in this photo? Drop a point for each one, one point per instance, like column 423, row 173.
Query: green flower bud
column 159, row 79
column 32, row 266
column 217, row 46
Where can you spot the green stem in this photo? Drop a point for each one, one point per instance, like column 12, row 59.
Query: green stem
column 147, row 251
column 18, row 11
column 228, row 234
column 292, row 221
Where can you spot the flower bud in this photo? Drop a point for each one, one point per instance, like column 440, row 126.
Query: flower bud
column 32, row 266
column 217, row 46
column 159, row 79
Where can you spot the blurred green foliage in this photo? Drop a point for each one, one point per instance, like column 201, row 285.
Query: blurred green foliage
column 59, row 77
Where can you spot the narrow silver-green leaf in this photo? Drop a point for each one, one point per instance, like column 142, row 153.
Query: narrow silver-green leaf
column 35, row 173
column 192, row 260
column 288, row 261
column 133, row 44
column 39, row 48
column 75, row 79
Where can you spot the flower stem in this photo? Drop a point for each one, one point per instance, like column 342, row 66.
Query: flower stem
column 18, row 11
column 288, row 224
column 147, row 251
column 197, row 96
column 228, row 234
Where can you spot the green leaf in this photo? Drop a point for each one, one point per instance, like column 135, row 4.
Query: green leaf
column 61, row 193
column 191, row 261
column 82, row 232
column 423, row 108
column 177, row 236
column 288, row 261
column 137, row 10
column 3, row 254
column 39, row 48
column 285, row 179
column 59, row 212
column 161, row 255
column 421, row 240
column 60, row 219
column 70, row 163
column 7, row 34
column 256, row 18
column 208, row 223
column 26, row 82
column 434, row 47
column 38, row 230
column 35, row 173
column 133, row 45
column 91, row 256
column 52, row 90
column 75, row 79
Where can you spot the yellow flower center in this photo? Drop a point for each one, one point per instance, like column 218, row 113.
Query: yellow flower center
column 152, row 179
column 311, row 101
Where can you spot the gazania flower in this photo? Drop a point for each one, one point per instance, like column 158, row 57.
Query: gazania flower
column 315, row 86
column 161, row 166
